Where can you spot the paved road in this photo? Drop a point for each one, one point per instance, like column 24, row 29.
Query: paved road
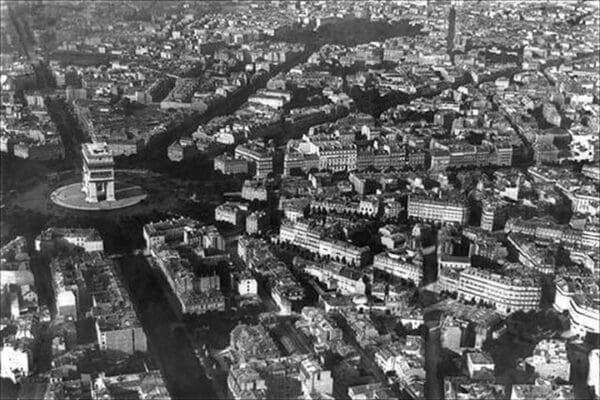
column 42, row 355
column 69, row 131
column 172, row 349
column 433, row 389
column 20, row 30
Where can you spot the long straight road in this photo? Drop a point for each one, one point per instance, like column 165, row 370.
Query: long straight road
column 433, row 387
column 172, row 349
column 19, row 27
column 71, row 134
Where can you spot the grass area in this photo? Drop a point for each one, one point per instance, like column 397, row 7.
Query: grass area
column 114, row 363
column 28, row 212
column 19, row 174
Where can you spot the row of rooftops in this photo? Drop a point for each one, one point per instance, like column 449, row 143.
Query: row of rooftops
column 94, row 274
column 87, row 234
column 511, row 278
column 442, row 199
column 14, row 250
column 469, row 313
column 340, row 270
column 585, row 291
column 162, row 227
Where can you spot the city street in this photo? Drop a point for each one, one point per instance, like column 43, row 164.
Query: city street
column 434, row 387
column 395, row 197
column 172, row 349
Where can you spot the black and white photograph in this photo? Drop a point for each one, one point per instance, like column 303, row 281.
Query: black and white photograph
column 300, row 200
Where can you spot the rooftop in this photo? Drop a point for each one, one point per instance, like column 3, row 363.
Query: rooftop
column 100, row 149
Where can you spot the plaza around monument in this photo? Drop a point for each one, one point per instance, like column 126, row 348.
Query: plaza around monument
column 98, row 189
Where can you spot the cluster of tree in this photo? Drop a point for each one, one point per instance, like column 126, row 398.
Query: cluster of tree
column 18, row 173
column 527, row 325
column 363, row 30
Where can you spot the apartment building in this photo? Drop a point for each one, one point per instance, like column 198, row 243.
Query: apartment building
column 260, row 158
column 394, row 265
column 439, row 210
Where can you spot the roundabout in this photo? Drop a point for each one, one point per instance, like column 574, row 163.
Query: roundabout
column 98, row 189
column 73, row 197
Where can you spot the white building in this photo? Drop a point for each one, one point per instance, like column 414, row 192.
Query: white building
column 324, row 153
column 14, row 363
column 391, row 357
column 343, row 251
column 301, row 233
column 439, row 210
column 585, row 200
column 233, row 213
column 284, row 304
column 88, row 239
column 98, row 172
column 582, row 147
column 229, row 165
column 244, row 382
column 271, row 98
column 369, row 206
column 14, row 263
column 579, row 298
column 66, row 304
column 391, row 236
column 591, row 171
column 266, row 100
column 181, row 230
column 594, row 373
column 316, row 382
column 454, row 262
column 346, row 280
column 550, row 360
column 407, row 361
column 394, row 265
column 257, row 222
column 336, row 156
column 506, row 293
column 590, row 236
column 478, row 362
column 293, row 209
column 261, row 158
column 247, row 285
column 306, row 235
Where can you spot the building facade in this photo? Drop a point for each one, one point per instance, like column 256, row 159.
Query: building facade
column 98, row 172
column 438, row 210
column 395, row 266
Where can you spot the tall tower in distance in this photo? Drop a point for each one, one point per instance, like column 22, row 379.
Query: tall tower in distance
column 451, row 28
column 98, row 173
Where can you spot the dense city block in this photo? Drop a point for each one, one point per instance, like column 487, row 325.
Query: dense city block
column 300, row 199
